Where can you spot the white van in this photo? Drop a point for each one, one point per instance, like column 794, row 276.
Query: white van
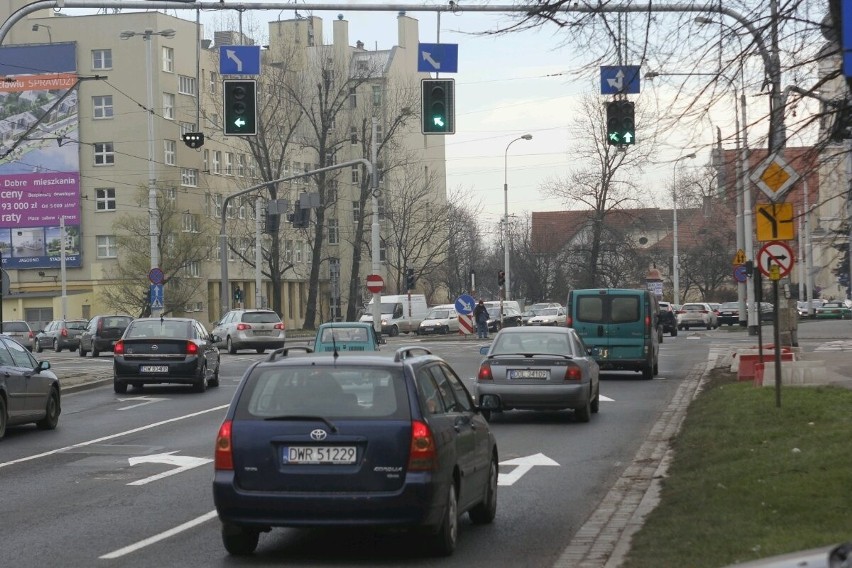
column 399, row 313
column 441, row 319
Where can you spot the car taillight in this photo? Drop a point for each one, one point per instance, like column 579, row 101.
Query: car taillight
column 64, row 333
column 704, row 311
column 569, row 321
column 422, row 455
column 573, row 373
column 100, row 324
column 191, row 348
column 243, row 326
column 680, row 312
column 31, row 335
column 224, row 455
column 485, row 373
column 648, row 321
column 279, row 326
column 119, row 348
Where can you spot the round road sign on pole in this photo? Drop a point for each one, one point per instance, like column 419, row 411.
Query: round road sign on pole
column 156, row 276
column 775, row 253
column 375, row 284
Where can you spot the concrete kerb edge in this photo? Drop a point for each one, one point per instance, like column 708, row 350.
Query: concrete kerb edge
column 603, row 541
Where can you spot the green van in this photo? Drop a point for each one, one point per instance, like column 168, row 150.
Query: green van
column 619, row 326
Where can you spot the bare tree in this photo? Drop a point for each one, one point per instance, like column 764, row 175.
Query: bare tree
column 464, row 245
column 183, row 244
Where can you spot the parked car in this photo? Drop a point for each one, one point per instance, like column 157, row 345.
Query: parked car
column 833, row 310
column 101, row 333
column 165, row 350
column 538, row 369
column 729, row 313
column 549, row 316
column 59, row 335
column 29, row 390
column 345, row 336
column 21, row 332
column 249, row 329
column 441, row 319
column 697, row 314
column 668, row 319
column 511, row 318
column 359, row 440
column 802, row 307
column 527, row 315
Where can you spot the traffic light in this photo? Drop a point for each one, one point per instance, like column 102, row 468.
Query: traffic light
column 501, row 278
column 240, row 107
column 301, row 217
column 409, row 279
column 438, row 106
column 193, row 139
column 620, row 123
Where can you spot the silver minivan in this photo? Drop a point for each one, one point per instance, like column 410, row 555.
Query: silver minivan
column 249, row 329
column 441, row 319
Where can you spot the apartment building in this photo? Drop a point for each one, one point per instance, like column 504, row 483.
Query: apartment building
column 91, row 151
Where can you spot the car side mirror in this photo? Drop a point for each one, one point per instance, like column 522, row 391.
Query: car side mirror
column 484, row 349
column 213, row 338
column 42, row 366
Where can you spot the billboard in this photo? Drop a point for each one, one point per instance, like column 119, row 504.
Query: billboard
column 39, row 156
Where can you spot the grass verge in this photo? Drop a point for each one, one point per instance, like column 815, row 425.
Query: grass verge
column 750, row 480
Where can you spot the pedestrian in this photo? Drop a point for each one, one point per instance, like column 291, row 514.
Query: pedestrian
column 480, row 317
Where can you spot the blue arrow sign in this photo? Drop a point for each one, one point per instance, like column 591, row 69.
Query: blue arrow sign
column 239, row 59
column 156, row 296
column 619, row 79
column 464, row 304
column 438, row 57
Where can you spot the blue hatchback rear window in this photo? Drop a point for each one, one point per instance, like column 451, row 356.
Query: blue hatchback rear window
column 330, row 392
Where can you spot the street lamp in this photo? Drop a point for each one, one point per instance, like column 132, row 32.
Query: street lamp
column 153, row 213
column 507, row 285
column 37, row 27
column 675, row 259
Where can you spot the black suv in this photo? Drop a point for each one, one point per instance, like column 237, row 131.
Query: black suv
column 668, row 318
column 312, row 440
column 101, row 334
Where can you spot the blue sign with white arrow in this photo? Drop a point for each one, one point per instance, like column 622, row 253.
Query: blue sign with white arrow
column 438, row 57
column 464, row 304
column 619, row 79
column 239, row 59
column 156, row 296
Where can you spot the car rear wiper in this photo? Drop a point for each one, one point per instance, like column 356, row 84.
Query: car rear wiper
column 302, row 417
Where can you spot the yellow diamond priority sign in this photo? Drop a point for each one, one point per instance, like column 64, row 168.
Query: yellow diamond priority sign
column 774, row 177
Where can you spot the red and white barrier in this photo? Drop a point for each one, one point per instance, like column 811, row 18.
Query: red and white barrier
column 465, row 324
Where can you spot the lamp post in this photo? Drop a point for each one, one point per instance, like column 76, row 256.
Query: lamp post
column 507, row 285
column 153, row 213
column 37, row 27
column 675, row 258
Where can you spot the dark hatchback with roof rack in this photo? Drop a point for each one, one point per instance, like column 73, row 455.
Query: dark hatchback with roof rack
column 359, row 440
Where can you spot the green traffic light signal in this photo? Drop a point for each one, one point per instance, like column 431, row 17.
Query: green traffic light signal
column 620, row 123
column 240, row 104
column 438, row 106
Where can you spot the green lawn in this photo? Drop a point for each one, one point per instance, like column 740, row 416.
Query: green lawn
column 751, row 480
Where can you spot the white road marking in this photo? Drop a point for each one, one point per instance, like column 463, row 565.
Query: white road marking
column 113, row 436
column 158, row 537
column 145, row 400
column 184, row 463
column 524, row 465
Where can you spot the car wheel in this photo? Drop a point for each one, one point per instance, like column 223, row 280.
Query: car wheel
column 38, row 348
column 444, row 330
column 394, row 331
column 596, row 402
column 214, row 381
column 2, row 417
column 484, row 512
column 95, row 352
column 496, row 327
column 231, row 349
column 56, row 346
column 260, row 350
column 674, row 332
column 51, row 412
column 584, row 413
column 445, row 539
column 239, row 541
column 656, row 367
column 119, row 386
column 81, row 351
column 201, row 384
column 648, row 371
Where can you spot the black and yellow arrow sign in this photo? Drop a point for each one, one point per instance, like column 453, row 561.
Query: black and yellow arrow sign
column 775, row 222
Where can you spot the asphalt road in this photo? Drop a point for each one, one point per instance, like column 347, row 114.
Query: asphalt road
column 125, row 479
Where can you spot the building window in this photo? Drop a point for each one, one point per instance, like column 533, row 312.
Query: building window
column 191, row 223
column 299, row 248
column 107, row 246
column 217, row 162
column 169, row 106
column 243, row 168
column 380, row 134
column 168, row 59
column 377, row 95
column 186, row 85
column 102, row 107
column 186, row 127
column 356, row 210
column 217, row 205
column 383, row 251
column 214, row 82
column 353, row 135
column 333, row 232
column 356, row 173
column 192, row 269
column 353, row 98
column 105, row 199
column 169, row 152
column 288, row 250
column 171, row 194
column 229, row 163
column 104, row 154
column 205, row 161
column 189, row 177
column 101, row 59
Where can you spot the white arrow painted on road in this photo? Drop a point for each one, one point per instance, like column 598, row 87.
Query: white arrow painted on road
column 145, row 400
column 523, row 466
column 232, row 55
column 618, row 82
column 183, row 462
column 428, row 57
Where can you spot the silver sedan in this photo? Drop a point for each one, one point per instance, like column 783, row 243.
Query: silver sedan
column 538, row 368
